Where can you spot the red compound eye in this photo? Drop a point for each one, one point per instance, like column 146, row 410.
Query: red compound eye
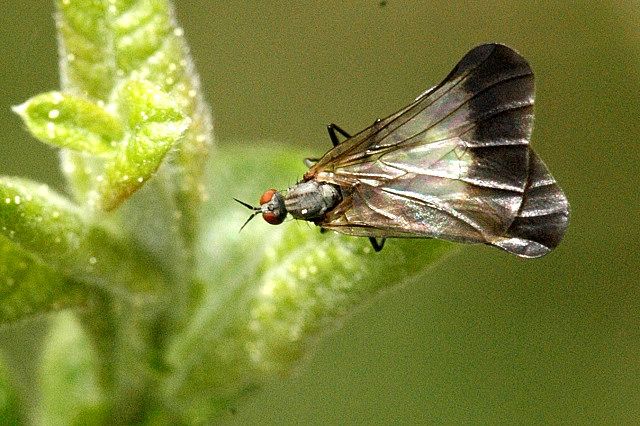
column 272, row 218
column 267, row 196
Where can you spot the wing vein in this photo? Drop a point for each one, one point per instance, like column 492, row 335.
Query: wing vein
column 490, row 114
column 444, row 209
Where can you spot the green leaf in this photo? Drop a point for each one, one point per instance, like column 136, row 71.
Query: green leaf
column 30, row 287
column 105, row 43
column 87, row 68
column 149, row 43
column 72, row 122
column 259, row 315
column 155, row 124
column 40, row 221
column 86, row 48
column 139, row 29
column 61, row 234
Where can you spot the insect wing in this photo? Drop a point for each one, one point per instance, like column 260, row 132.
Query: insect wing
column 455, row 164
column 542, row 218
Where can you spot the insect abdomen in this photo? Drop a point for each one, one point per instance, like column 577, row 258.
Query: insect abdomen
column 311, row 200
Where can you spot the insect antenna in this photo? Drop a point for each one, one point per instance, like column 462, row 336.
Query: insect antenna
column 256, row 211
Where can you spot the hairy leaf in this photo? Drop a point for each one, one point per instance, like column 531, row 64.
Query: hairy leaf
column 86, row 61
column 59, row 233
column 40, row 221
column 155, row 124
column 105, row 43
column 30, row 287
column 72, row 122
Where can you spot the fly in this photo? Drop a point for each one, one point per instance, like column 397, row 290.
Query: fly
column 455, row 164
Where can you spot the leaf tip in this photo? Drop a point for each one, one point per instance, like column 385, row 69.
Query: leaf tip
column 20, row 110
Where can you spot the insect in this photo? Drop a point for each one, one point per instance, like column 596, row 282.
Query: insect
column 455, row 164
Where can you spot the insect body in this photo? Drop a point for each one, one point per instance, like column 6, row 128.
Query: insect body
column 306, row 200
column 454, row 164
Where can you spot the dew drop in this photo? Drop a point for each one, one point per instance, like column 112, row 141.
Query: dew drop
column 17, row 199
column 125, row 177
column 68, row 167
column 70, row 56
column 93, row 260
column 192, row 93
column 7, row 200
column 178, row 32
column 157, row 97
column 54, row 113
column 140, row 179
column 172, row 66
column 51, row 130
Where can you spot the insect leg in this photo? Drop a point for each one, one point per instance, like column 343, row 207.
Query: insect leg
column 332, row 129
column 377, row 246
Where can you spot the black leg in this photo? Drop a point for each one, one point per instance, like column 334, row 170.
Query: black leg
column 323, row 230
column 377, row 246
column 332, row 129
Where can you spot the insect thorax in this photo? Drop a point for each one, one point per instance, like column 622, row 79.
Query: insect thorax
column 311, row 200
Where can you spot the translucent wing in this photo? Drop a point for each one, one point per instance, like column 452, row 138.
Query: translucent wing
column 455, row 164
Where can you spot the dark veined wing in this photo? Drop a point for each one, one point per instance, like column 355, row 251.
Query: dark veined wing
column 455, row 164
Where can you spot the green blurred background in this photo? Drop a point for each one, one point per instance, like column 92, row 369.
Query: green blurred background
column 485, row 337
